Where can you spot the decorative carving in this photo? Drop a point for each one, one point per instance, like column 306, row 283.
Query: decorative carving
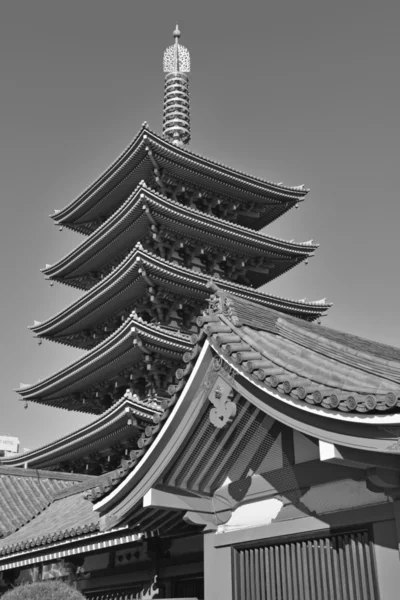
column 216, row 363
column 214, row 305
column 176, row 57
column 224, row 410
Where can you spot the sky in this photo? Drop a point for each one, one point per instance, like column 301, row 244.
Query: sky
column 296, row 92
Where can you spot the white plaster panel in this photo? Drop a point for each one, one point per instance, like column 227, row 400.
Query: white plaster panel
column 253, row 515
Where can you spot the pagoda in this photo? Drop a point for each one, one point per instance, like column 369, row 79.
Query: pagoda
column 160, row 226
column 240, row 449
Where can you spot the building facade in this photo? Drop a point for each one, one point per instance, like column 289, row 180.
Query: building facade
column 241, row 449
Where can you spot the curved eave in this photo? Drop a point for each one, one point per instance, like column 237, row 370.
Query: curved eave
column 369, row 433
column 111, row 294
column 172, row 437
column 302, row 363
column 103, row 196
column 105, row 361
column 130, row 222
column 109, row 423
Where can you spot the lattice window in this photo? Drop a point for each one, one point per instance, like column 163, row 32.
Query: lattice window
column 339, row 567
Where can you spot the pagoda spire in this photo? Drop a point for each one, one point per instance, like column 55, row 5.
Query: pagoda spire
column 176, row 65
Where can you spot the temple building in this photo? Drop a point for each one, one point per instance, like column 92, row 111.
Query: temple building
column 241, row 450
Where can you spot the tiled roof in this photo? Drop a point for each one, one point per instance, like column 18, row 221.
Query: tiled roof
column 134, row 164
column 25, row 493
column 132, row 221
column 303, row 361
column 72, row 516
column 64, row 519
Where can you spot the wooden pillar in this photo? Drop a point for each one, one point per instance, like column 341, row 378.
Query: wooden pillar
column 217, row 570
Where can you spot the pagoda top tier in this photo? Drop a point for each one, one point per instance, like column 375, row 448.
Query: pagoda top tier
column 174, row 170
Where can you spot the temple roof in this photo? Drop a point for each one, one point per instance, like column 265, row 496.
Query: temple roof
column 149, row 154
column 114, row 426
column 130, row 282
column 310, row 364
column 64, row 519
column 71, row 519
column 333, row 386
column 24, row 493
column 111, row 363
column 143, row 211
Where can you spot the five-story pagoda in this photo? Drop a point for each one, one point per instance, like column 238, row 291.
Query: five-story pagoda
column 161, row 227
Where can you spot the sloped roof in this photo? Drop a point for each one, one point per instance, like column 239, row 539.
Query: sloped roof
column 335, row 387
column 306, row 364
column 133, row 220
column 64, row 519
column 72, row 516
column 136, row 163
column 303, row 361
column 25, row 493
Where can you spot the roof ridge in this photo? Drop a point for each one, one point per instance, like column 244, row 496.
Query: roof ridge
column 42, row 473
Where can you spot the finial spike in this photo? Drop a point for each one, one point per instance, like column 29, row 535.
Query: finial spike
column 176, row 63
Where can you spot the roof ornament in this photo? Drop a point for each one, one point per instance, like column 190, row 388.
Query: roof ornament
column 176, row 65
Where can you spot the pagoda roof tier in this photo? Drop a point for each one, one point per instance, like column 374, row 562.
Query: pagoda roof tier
column 113, row 431
column 147, row 215
column 143, row 282
column 139, row 356
column 156, row 160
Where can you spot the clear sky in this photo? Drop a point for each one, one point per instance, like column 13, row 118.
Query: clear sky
column 293, row 91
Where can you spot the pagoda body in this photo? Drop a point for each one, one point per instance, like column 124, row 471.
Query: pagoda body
column 160, row 227
column 240, row 449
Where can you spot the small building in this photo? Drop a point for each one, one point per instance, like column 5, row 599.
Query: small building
column 241, row 449
column 9, row 445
